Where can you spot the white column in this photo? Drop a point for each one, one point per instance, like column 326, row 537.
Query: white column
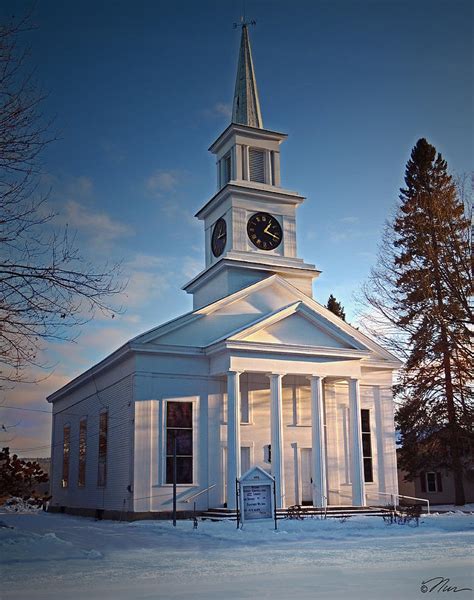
column 318, row 438
column 358, row 485
column 277, row 437
column 233, row 435
column 245, row 163
column 268, row 167
column 237, row 162
column 276, row 169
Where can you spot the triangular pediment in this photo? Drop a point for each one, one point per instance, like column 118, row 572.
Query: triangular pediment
column 297, row 325
column 296, row 330
column 270, row 313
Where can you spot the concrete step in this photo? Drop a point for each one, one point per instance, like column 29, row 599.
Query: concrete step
column 225, row 514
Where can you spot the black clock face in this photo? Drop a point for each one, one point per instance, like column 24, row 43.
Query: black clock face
column 264, row 231
column 219, row 237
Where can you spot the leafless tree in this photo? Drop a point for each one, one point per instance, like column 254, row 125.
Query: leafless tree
column 47, row 289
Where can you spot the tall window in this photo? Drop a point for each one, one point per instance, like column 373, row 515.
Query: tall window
column 179, row 427
column 81, row 480
column 366, row 445
column 102, row 462
column 66, row 455
column 257, row 165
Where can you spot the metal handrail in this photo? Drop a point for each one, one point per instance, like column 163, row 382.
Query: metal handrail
column 398, row 496
column 198, row 494
column 325, row 507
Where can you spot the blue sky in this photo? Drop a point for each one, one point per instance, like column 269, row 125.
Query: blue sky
column 140, row 90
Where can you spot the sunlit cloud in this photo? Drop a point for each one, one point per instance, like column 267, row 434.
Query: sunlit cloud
column 94, row 223
column 28, row 424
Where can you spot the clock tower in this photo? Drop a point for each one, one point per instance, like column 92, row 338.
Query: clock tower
column 250, row 223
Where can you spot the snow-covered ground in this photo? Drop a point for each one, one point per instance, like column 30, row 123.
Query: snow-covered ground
column 48, row 556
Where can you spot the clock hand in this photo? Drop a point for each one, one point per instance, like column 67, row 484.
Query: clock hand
column 269, row 233
column 219, row 237
column 273, row 236
column 267, row 227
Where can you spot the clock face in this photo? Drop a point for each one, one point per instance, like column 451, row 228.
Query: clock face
column 264, row 231
column 219, row 237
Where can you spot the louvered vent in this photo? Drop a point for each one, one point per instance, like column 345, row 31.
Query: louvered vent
column 257, row 165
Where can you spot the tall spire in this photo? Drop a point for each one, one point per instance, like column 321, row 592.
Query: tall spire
column 246, row 108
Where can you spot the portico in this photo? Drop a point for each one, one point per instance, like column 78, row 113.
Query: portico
column 316, row 381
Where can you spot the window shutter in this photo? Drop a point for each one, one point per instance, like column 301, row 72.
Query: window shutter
column 257, row 165
column 423, row 481
column 439, row 483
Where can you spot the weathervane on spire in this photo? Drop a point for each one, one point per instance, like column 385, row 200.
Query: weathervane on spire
column 244, row 23
column 246, row 106
column 243, row 20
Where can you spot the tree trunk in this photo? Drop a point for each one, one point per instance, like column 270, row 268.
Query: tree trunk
column 456, row 464
column 453, row 430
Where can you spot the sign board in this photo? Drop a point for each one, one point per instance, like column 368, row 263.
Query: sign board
column 256, row 495
column 257, row 503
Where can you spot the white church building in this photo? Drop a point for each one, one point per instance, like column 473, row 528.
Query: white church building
column 258, row 374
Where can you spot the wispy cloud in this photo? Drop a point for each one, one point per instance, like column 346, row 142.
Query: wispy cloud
column 81, row 186
column 164, row 185
column 347, row 228
column 162, row 181
column 191, row 266
column 30, row 428
column 219, row 109
column 93, row 223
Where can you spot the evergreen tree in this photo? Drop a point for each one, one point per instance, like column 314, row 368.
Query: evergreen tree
column 17, row 476
column 421, row 287
column 336, row 307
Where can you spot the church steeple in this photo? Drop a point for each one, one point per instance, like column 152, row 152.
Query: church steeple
column 250, row 223
column 246, row 107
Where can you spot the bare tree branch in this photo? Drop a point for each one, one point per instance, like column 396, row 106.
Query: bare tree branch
column 47, row 288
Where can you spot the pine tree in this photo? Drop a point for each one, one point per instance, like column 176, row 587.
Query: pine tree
column 422, row 287
column 336, row 307
column 17, row 476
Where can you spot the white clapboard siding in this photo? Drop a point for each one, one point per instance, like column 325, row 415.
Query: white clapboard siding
column 114, row 496
column 257, row 165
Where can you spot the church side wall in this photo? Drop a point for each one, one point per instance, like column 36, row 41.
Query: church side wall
column 163, row 378
column 111, row 391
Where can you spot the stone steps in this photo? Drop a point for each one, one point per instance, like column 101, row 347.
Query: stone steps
column 334, row 512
